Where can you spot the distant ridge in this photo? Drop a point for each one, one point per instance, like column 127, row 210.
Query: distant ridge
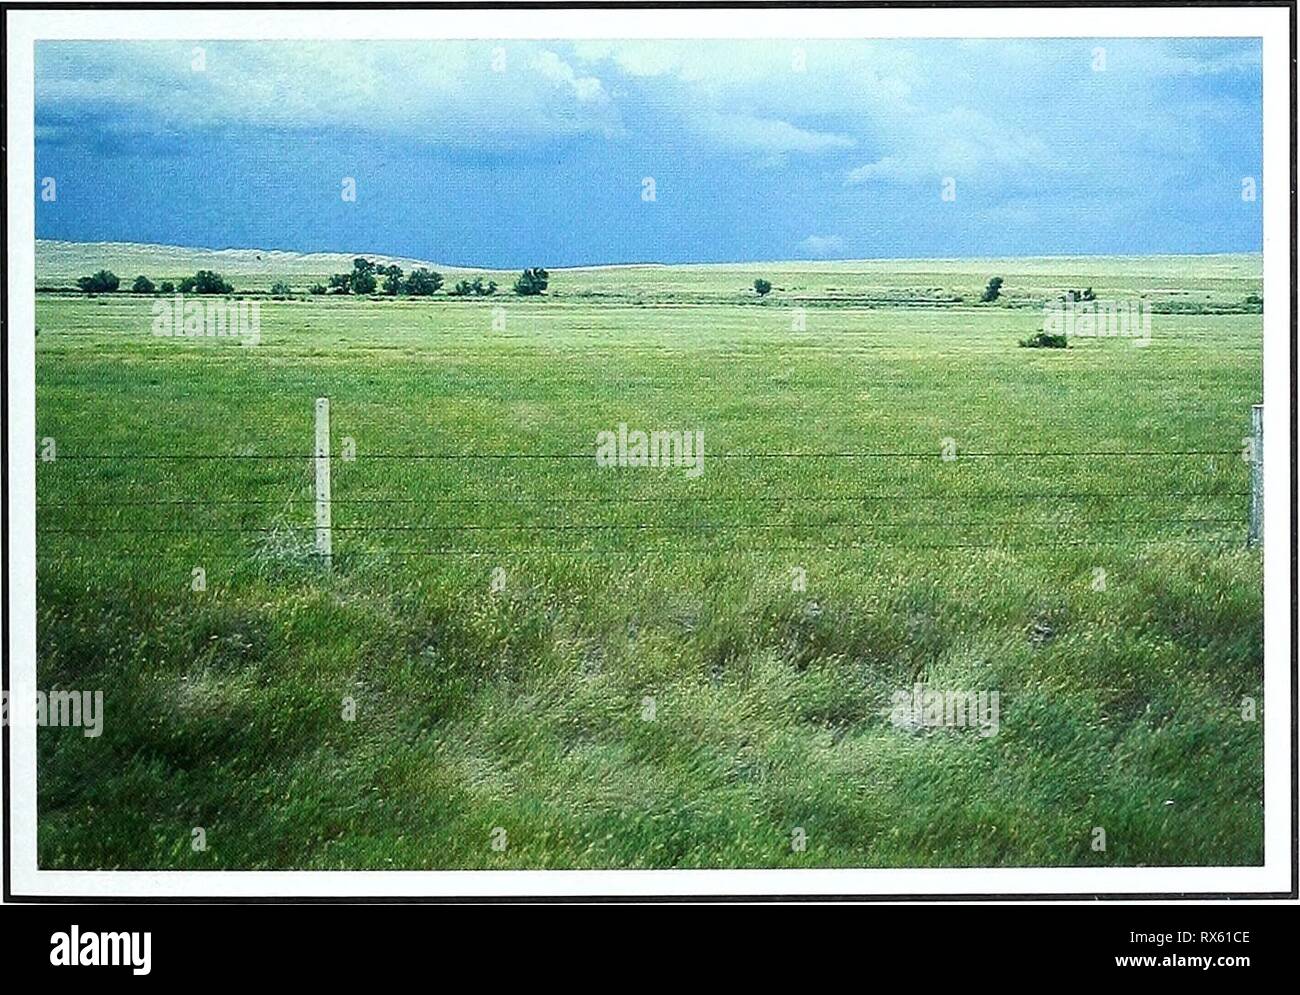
column 57, row 260
column 61, row 262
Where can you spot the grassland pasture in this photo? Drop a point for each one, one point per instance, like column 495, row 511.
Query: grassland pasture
column 632, row 667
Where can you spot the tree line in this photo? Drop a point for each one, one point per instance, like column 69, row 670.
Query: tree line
column 365, row 278
column 205, row 281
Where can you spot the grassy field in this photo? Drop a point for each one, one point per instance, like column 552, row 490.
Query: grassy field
column 644, row 685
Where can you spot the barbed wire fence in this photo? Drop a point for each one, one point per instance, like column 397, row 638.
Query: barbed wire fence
column 300, row 495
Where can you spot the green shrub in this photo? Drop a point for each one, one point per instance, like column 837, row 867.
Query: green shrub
column 475, row 288
column 205, row 281
column 532, row 282
column 992, row 291
column 1044, row 340
column 423, row 282
column 103, row 282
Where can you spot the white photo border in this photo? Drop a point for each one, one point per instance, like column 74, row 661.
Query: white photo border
column 1274, row 24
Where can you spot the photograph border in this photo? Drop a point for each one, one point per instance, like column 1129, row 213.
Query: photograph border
column 343, row 898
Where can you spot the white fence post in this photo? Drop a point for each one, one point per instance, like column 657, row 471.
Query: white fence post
column 324, row 534
column 1256, row 475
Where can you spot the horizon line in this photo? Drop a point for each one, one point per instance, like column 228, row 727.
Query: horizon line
column 652, row 263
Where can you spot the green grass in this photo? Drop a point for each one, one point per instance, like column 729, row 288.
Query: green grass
column 526, row 709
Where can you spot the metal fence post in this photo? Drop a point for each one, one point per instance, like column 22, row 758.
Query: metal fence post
column 324, row 536
column 1256, row 475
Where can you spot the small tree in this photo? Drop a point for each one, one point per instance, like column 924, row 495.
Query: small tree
column 167, row 287
column 992, row 291
column 423, row 282
column 103, row 282
column 208, row 282
column 364, row 277
column 317, row 289
column 762, row 287
column 281, row 289
column 341, row 283
column 142, row 285
column 532, row 282
column 205, row 281
column 393, row 281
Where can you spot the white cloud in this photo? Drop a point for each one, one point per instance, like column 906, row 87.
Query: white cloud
column 445, row 91
column 587, row 89
column 768, row 134
column 820, row 246
column 959, row 142
column 915, row 111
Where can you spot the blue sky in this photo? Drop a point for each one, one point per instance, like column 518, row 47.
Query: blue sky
column 515, row 153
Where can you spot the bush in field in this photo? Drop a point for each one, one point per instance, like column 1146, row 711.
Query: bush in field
column 992, row 291
column 762, row 287
column 363, row 279
column 341, row 283
column 423, row 282
column 393, row 280
column 205, row 281
column 317, row 289
column 1044, row 340
column 532, row 282
column 142, row 285
column 208, row 282
column 103, row 282
column 281, row 289
column 474, row 288
column 167, row 287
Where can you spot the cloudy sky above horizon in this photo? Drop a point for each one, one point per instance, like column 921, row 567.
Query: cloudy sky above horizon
column 536, row 153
